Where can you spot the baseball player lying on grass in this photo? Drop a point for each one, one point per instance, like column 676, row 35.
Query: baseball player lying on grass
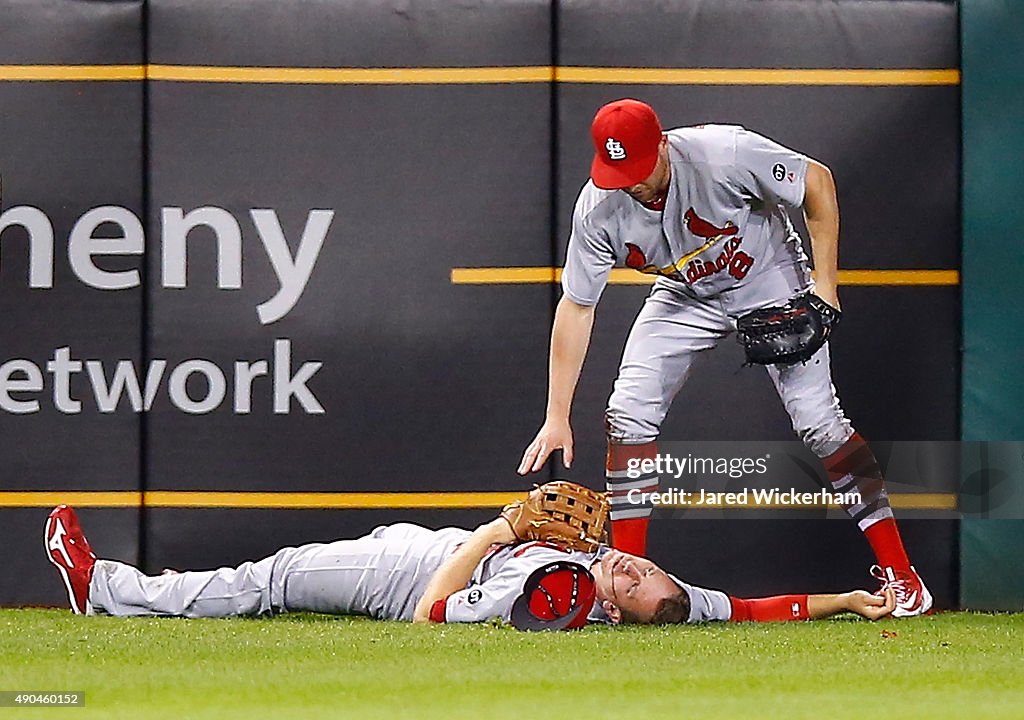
column 407, row 572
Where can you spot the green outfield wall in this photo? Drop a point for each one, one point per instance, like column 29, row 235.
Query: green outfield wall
column 992, row 546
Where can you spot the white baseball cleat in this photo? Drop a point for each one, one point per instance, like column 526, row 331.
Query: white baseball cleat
column 912, row 596
column 69, row 551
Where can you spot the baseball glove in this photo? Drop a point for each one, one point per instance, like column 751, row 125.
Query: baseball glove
column 789, row 333
column 562, row 513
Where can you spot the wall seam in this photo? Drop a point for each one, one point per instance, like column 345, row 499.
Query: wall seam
column 143, row 557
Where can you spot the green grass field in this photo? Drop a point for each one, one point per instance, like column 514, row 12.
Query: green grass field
column 953, row 665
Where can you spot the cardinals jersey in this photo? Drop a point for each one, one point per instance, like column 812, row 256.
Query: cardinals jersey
column 723, row 226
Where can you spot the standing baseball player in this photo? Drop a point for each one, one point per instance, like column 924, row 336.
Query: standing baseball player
column 407, row 572
column 704, row 209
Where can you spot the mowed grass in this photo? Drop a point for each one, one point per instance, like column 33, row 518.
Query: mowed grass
column 952, row 665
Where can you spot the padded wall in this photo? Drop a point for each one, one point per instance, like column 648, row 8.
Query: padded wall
column 421, row 382
column 67, row 147
column 307, row 176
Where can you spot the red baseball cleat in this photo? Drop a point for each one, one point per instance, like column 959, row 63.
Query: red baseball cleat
column 69, row 551
column 912, row 596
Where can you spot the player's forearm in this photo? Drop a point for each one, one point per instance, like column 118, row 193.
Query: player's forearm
column 786, row 607
column 778, row 608
column 457, row 570
column 570, row 339
column 821, row 212
column 822, row 606
column 812, row 607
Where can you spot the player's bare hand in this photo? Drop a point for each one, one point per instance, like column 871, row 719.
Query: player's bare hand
column 553, row 435
column 872, row 607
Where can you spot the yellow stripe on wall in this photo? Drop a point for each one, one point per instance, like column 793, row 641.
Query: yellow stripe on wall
column 51, row 73
column 114, row 499
column 479, row 75
column 349, row 500
column 899, row 277
column 296, row 500
column 353, row 76
column 753, row 76
column 159, row 498
column 627, row 276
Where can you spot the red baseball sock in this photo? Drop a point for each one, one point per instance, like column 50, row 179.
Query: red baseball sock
column 888, row 546
column 769, row 609
column 853, row 468
column 630, row 535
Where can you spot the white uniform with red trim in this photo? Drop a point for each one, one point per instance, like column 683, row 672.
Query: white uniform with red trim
column 382, row 575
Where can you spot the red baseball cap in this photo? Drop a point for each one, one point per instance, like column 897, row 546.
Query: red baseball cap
column 626, row 136
column 557, row 596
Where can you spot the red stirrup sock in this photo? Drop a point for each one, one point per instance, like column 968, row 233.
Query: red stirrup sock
column 885, row 540
column 853, row 470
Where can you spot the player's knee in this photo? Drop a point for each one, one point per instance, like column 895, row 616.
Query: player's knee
column 825, row 437
column 624, row 428
column 635, row 409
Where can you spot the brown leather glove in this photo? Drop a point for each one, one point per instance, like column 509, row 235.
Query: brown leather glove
column 562, row 513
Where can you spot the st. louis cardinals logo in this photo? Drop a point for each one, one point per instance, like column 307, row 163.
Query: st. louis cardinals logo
column 702, row 228
column 638, row 261
column 690, row 268
column 615, row 149
column 732, row 258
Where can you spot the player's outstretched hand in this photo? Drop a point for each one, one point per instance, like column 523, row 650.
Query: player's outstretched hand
column 552, row 436
column 872, row 607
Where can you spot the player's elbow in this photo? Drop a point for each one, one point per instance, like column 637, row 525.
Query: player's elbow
column 573, row 318
column 820, row 190
column 816, row 168
column 819, row 178
column 430, row 609
column 421, row 614
column 567, row 305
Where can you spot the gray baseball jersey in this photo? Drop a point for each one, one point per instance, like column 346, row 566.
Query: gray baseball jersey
column 723, row 227
column 382, row 575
